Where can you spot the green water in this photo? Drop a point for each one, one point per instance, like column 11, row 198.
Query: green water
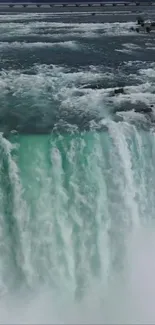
column 63, row 197
column 69, row 205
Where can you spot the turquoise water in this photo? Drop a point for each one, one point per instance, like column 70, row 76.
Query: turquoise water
column 70, row 205
column 76, row 175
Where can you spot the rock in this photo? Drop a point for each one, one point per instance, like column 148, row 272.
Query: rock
column 119, row 91
column 101, row 85
column 148, row 29
column 140, row 20
column 143, row 110
column 135, row 29
column 95, row 86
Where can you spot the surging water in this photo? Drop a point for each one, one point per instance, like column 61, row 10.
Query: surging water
column 73, row 226
column 76, row 177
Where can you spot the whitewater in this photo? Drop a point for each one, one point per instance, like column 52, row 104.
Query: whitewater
column 77, row 169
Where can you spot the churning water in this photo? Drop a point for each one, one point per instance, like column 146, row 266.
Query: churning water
column 77, row 170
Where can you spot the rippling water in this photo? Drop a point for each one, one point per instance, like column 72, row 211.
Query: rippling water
column 77, row 172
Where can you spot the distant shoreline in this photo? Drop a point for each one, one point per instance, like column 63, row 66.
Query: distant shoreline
column 100, row 7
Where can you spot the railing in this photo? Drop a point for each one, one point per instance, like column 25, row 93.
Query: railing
column 79, row 3
column 71, row 1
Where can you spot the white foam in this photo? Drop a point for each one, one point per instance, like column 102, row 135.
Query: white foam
column 72, row 29
column 132, row 116
column 135, row 94
column 129, row 48
column 148, row 73
column 73, row 45
column 151, row 48
column 126, row 51
column 65, row 87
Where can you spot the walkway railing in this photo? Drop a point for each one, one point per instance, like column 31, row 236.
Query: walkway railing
column 91, row 3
